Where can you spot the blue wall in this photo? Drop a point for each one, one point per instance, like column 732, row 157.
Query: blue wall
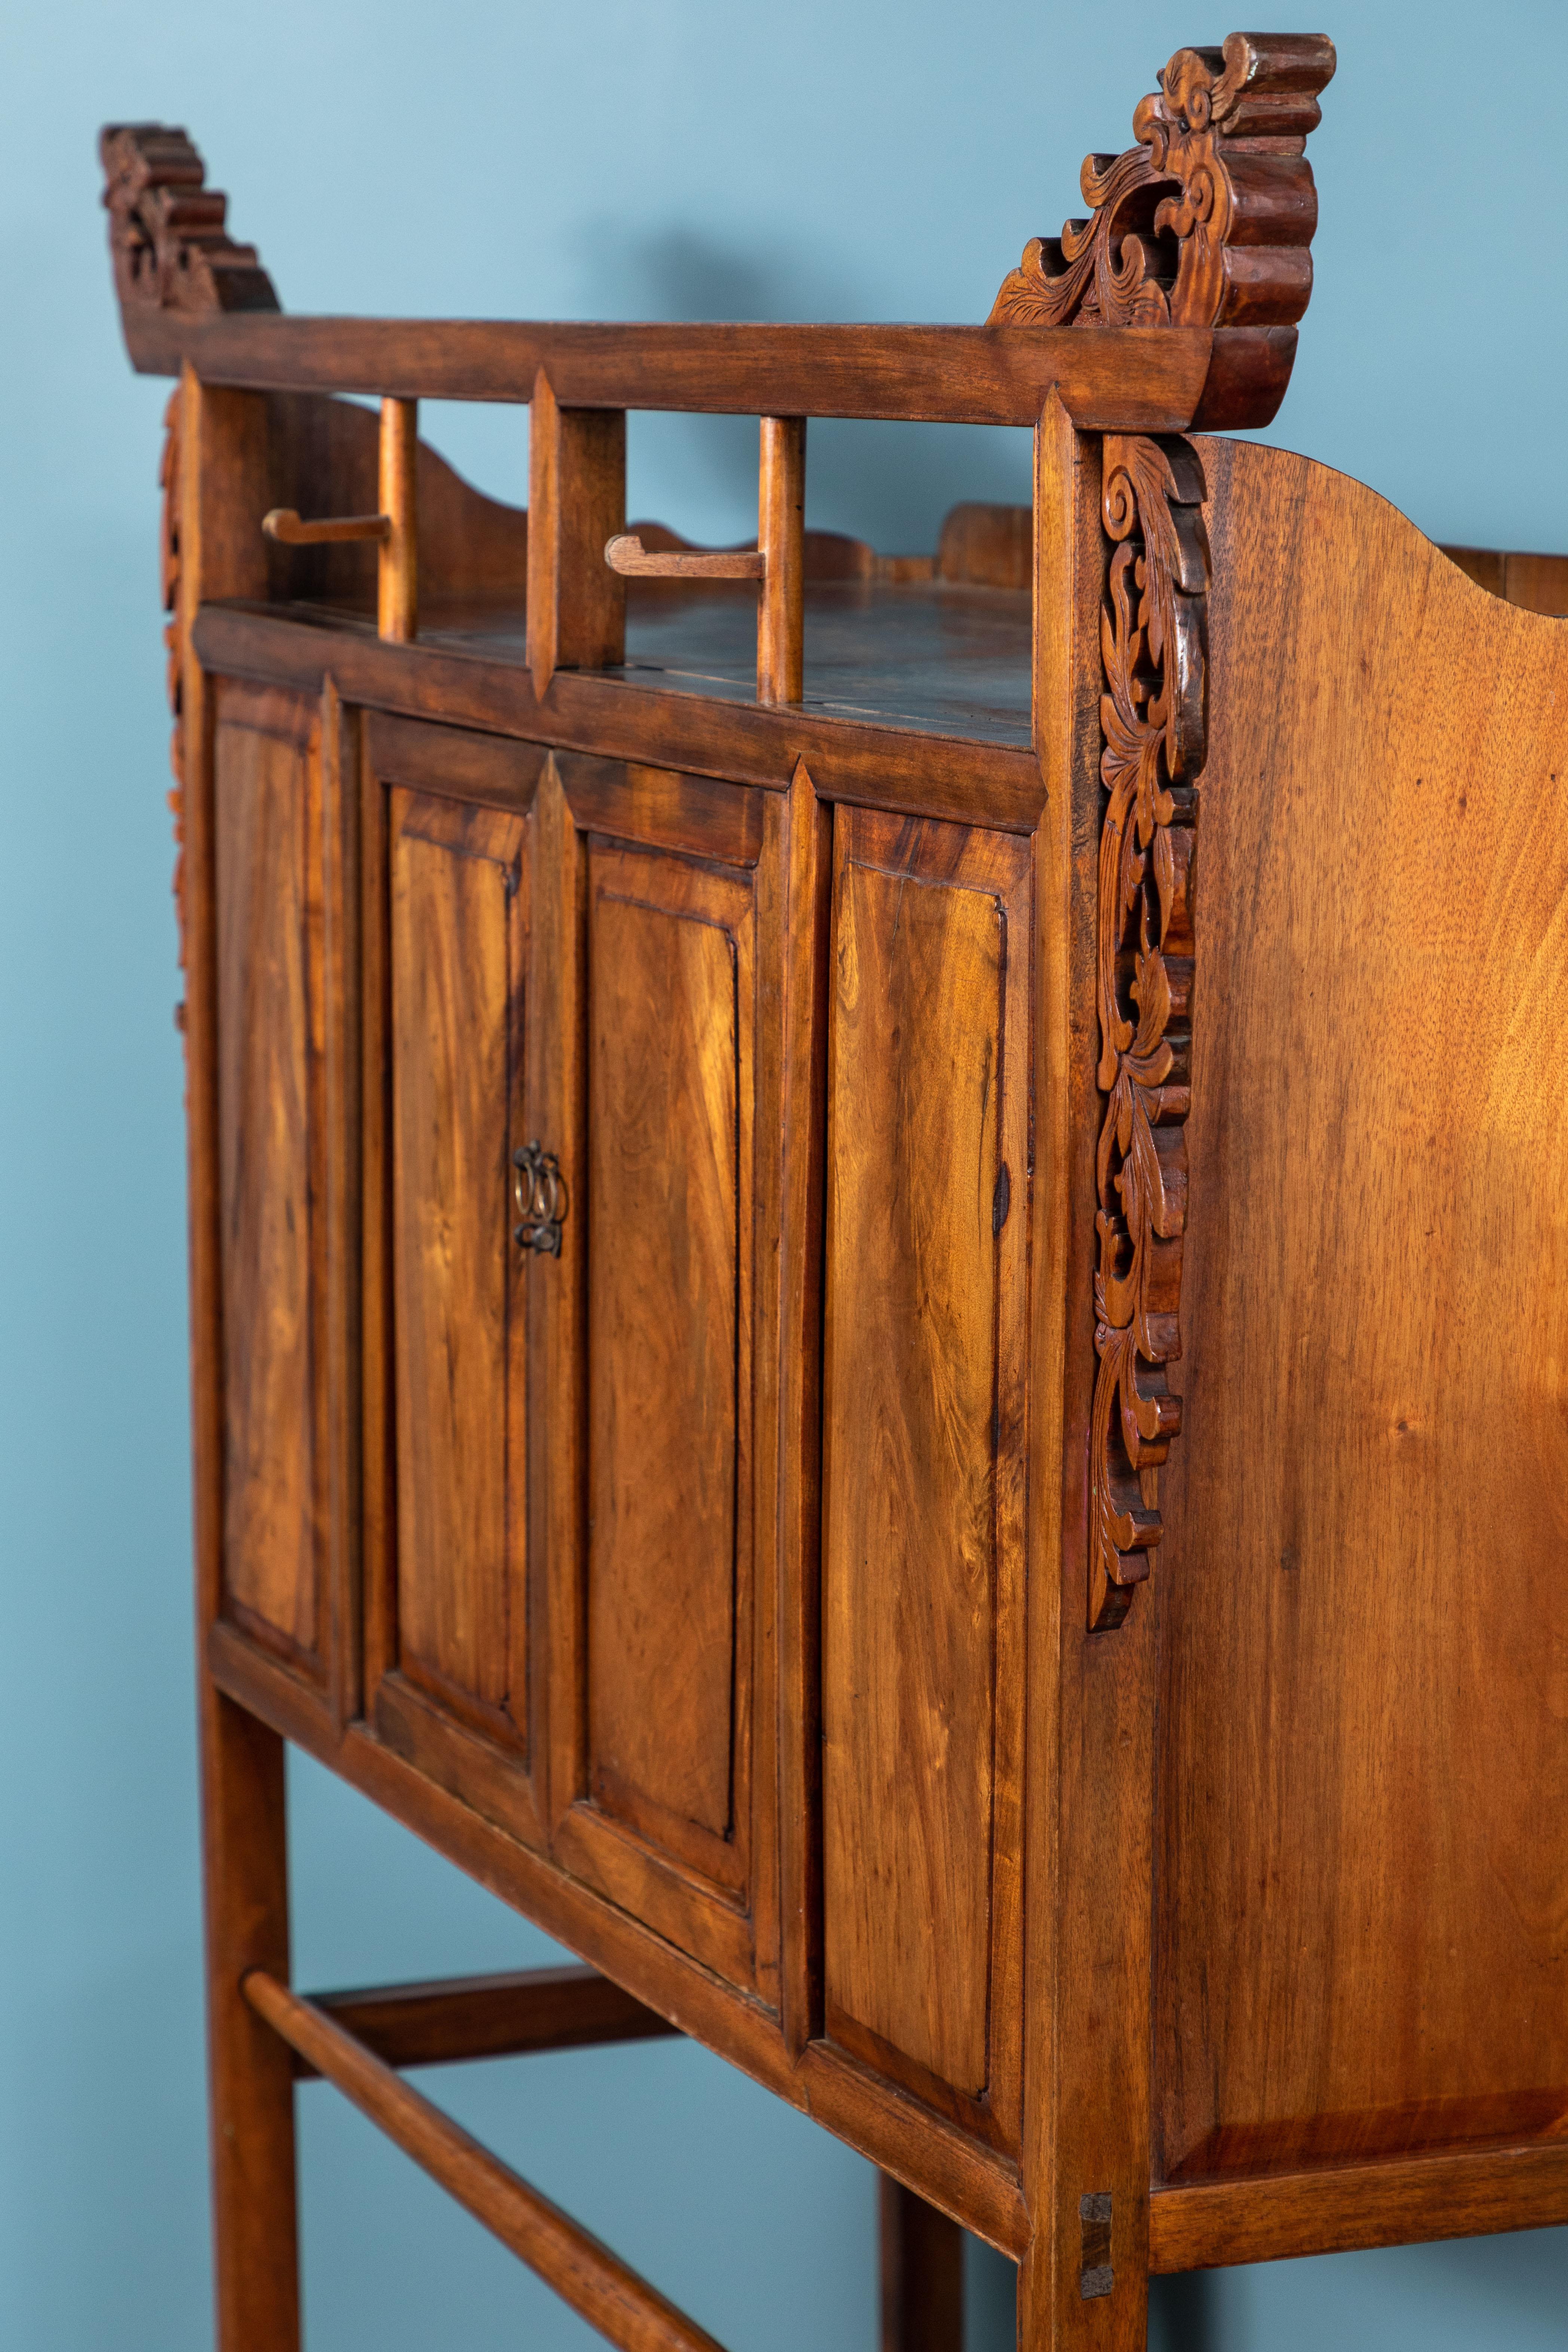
column 809, row 158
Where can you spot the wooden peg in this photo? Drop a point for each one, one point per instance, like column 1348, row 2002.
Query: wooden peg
column 284, row 525
column 627, row 554
column 397, row 612
column 781, row 535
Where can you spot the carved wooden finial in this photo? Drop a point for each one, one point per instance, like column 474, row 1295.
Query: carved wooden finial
column 1208, row 220
column 166, row 233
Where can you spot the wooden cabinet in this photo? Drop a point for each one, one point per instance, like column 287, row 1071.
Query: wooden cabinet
column 871, row 1324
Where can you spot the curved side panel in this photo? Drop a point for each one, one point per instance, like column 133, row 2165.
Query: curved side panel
column 1362, row 1922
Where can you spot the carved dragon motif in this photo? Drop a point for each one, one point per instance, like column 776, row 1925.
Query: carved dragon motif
column 1208, row 220
column 166, row 236
column 1153, row 717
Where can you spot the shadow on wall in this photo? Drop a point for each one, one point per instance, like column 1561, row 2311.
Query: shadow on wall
column 1494, row 2294
column 890, row 484
column 1184, row 2312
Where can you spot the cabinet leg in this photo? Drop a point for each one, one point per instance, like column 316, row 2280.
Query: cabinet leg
column 922, row 2274
column 1082, row 2303
column 250, row 2077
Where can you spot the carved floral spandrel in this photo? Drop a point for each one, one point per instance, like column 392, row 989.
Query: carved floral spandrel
column 167, row 237
column 1208, row 220
column 169, row 554
column 1153, row 717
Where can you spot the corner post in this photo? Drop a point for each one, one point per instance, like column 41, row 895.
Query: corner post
column 217, row 470
column 1086, row 2157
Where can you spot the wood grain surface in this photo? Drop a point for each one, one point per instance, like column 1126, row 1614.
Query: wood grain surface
column 1362, row 1904
column 868, row 764
column 1132, row 380
column 670, row 1123
column 923, row 1469
column 458, row 955
column 270, row 1110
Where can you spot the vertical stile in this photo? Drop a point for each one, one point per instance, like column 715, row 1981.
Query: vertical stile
column 576, row 502
column 780, row 535
column 397, row 617
column 221, row 476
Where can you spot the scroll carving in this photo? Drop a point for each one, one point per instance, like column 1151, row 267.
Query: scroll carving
column 169, row 552
column 1208, row 220
column 1153, row 717
column 166, row 235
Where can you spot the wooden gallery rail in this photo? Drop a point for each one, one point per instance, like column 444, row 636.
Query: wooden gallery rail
column 721, row 1087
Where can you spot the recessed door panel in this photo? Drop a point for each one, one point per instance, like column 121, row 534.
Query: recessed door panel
column 457, row 959
column 923, row 1464
column 270, row 1166
column 670, row 1062
column 664, row 1798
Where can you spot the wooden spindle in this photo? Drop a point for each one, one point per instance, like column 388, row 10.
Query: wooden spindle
column 397, row 613
column 780, row 535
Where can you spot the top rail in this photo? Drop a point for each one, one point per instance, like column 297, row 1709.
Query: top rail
column 1173, row 307
column 1142, row 379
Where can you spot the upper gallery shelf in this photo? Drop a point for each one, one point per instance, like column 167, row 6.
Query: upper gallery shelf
column 1174, row 305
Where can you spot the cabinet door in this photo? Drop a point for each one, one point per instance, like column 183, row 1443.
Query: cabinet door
column 926, row 1278
column 665, row 1093
column 271, row 1170
column 450, row 1637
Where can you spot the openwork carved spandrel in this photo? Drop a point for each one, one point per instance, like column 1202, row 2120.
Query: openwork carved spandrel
column 1154, row 645
column 1208, row 220
column 169, row 565
column 166, row 236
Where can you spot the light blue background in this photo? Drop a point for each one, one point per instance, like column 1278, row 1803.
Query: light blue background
column 808, row 158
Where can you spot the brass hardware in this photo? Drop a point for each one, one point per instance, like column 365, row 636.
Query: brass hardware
column 285, row 526
column 626, row 553
column 540, row 1192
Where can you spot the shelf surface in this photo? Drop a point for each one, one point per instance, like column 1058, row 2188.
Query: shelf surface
column 929, row 657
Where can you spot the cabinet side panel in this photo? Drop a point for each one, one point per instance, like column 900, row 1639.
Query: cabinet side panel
column 457, row 959
column 924, row 1156
column 669, row 950
column 267, row 857
column 1362, row 1907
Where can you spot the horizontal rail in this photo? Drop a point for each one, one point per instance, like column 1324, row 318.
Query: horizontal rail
column 616, row 718
column 961, row 2176
column 1337, row 2208
column 1129, row 379
column 584, row 2272
column 511, row 2015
